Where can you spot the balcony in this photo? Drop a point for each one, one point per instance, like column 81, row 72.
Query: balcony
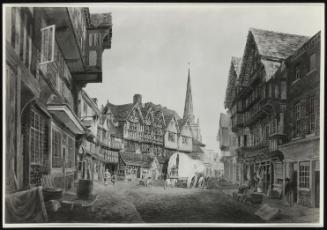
column 263, row 108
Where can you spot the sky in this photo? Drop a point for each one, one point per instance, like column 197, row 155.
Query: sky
column 152, row 45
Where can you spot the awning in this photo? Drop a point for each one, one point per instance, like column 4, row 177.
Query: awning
column 64, row 114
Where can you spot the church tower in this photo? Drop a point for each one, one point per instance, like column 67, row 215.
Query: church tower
column 188, row 111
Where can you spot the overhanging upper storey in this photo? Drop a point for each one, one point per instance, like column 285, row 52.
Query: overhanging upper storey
column 81, row 37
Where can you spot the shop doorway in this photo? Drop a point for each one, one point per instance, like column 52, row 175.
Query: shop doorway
column 112, row 168
column 317, row 188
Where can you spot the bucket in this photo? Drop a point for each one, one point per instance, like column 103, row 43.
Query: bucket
column 84, row 189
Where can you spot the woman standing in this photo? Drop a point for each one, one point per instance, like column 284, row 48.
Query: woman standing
column 106, row 176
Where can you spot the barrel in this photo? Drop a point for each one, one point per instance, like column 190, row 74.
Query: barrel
column 84, row 189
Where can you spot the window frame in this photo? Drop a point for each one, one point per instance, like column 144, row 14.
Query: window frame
column 52, row 45
column 304, row 174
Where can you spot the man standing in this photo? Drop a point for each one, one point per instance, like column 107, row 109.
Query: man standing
column 288, row 191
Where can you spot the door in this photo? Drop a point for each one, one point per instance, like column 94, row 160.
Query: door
column 317, row 189
column 138, row 172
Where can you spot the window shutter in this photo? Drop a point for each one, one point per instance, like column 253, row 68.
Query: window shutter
column 47, row 44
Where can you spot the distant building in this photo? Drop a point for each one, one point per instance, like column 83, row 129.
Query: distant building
column 152, row 133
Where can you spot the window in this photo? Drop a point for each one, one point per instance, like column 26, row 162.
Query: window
column 90, row 39
column 312, row 62
column 85, row 108
column 47, row 44
column 184, row 140
column 297, row 72
column 56, row 149
column 245, row 140
column 71, row 153
column 92, row 58
column 38, row 138
column 304, row 176
column 311, row 114
column 171, row 137
column 297, row 118
column 276, row 91
column 283, row 90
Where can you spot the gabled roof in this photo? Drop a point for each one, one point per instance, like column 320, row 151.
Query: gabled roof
column 120, row 112
column 276, row 44
column 182, row 122
column 233, row 75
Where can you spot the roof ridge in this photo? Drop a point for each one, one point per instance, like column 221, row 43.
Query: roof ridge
column 277, row 32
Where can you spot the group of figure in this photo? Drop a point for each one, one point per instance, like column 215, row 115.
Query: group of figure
column 108, row 177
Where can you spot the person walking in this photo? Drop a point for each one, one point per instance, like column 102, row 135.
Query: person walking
column 113, row 179
column 106, row 177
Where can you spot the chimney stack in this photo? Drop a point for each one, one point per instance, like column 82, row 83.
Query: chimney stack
column 137, row 98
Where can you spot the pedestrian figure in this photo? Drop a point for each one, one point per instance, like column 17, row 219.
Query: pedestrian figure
column 106, row 176
column 113, row 179
column 288, row 191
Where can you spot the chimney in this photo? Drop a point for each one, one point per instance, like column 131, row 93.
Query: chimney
column 95, row 100
column 137, row 98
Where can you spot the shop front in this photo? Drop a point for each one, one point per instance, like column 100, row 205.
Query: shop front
column 263, row 170
column 302, row 168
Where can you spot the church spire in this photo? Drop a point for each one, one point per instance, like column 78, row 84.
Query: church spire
column 188, row 109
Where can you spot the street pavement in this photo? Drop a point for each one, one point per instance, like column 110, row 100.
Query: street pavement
column 128, row 202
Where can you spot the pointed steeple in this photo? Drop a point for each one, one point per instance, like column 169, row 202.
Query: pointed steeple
column 188, row 108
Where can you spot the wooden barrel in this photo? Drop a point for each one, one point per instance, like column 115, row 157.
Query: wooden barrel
column 84, row 189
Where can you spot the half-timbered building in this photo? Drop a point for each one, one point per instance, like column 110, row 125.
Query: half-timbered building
column 48, row 62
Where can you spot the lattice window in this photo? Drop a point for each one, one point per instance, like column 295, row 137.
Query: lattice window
column 304, row 176
column 56, row 149
column 297, row 119
column 171, row 137
column 311, row 114
column 38, row 137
